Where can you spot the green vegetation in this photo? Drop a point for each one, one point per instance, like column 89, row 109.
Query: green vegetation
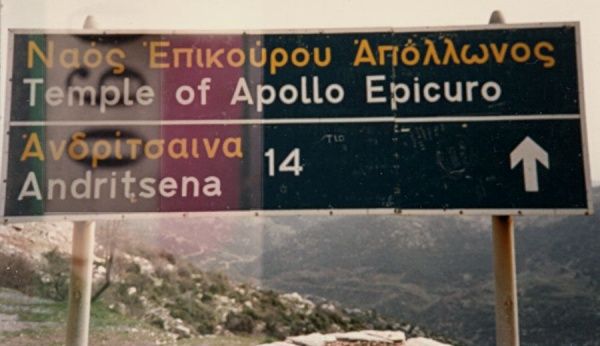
column 151, row 298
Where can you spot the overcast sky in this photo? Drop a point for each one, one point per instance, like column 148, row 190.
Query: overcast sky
column 267, row 14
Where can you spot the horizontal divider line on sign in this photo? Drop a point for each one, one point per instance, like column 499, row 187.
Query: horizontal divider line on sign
column 408, row 120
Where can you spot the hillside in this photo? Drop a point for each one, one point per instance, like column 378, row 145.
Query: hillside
column 432, row 271
column 153, row 297
column 436, row 271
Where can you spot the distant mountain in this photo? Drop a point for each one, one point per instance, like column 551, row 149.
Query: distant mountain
column 435, row 271
column 438, row 271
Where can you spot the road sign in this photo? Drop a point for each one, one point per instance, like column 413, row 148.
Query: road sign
column 478, row 120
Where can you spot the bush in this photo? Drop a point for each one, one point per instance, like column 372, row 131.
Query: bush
column 17, row 273
column 54, row 282
column 51, row 281
column 190, row 311
column 239, row 323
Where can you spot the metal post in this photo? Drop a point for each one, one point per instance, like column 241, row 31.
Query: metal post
column 507, row 312
column 80, row 289
column 82, row 258
column 505, row 270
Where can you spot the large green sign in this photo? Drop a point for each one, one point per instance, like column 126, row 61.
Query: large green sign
column 480, row 120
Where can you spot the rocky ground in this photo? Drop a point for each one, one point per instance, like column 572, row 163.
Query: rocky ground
column 152, row 297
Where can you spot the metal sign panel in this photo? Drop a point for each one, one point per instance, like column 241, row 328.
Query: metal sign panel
column 475, row 120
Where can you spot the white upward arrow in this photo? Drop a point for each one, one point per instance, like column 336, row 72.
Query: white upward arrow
column 529, row 152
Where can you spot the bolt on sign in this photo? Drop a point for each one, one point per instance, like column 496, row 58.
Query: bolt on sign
column 481, row 120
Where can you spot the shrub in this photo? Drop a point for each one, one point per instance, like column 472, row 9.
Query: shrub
column 54, row 282
column 16, row 272
column 239, row 323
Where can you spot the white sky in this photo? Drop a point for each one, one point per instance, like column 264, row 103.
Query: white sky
column 267, row 14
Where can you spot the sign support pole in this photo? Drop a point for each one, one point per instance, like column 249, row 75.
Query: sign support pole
column 503, row 228
column 507, row 314
column 82, row 259
column 80, row 288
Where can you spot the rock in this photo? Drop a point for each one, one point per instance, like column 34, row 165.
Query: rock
column 46, row 278
column 182, row 331
column 122, row 308
column 131, row 291
column 394, row 336
column 353, row 311
column 99, row 273
column 298, row 302
column 157, row 282
column 421, row 341
column 362, row 337
column 219, row 329
column 335, row 328
column 146, row 267
column 328, row 307
column 260, row 327
column 315, row 339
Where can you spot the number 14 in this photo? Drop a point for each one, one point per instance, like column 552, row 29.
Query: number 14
column 290, row 164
